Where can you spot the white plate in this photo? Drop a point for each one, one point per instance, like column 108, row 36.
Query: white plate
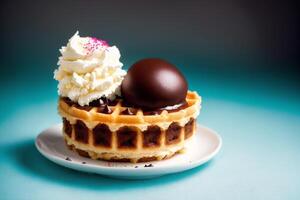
column 203, row 147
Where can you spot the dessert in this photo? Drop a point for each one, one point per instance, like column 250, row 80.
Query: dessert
column 143, row 115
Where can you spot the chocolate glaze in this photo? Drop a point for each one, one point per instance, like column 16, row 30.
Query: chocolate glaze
column 129, row 111
column 67, row 101
column 170, row 109
column 151, row 136
column 67, row 127
column 188, row 128
column 152, row 112
column 102, row 135
column 154, row 83
column 103, row 107
column 173, row 133
column 126, row 137
column 81, row 132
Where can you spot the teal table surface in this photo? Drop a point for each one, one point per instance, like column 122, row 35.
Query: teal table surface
column 259, row 122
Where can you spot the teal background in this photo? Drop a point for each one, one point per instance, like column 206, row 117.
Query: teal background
column 241, row 58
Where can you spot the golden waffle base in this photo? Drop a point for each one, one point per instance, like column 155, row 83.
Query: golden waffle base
column 138, row 137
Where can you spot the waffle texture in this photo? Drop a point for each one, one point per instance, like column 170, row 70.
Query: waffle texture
column 121, row 133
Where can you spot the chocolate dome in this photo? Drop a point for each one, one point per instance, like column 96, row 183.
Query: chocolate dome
column 153, row 83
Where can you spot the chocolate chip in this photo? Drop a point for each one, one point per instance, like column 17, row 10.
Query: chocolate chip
column 150, row 165
column 114, row 102
column 104, row 109
column 136, row 167
column 68, row 159
column 83, row 162
column 95, row 103
column 129, row 111
column 103, row 100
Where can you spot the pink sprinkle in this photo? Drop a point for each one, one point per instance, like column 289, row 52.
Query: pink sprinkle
column 102, row 42
column 93, row 44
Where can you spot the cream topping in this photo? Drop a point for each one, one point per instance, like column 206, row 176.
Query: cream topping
column 89, row 69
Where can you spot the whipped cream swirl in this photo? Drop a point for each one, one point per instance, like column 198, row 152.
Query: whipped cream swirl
column 89, row 69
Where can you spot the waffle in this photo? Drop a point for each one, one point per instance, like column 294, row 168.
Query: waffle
column 117, row 132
